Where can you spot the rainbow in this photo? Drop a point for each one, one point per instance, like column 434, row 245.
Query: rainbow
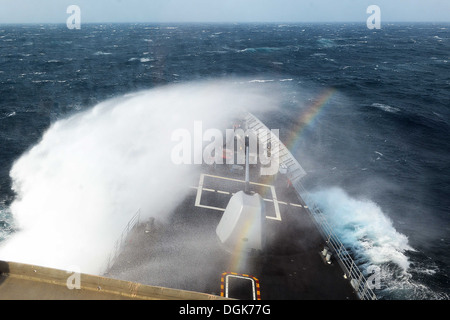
column 306, row 118
column 239, row 254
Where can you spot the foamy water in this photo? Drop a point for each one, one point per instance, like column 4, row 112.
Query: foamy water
column 79, row 186
column 364, row 227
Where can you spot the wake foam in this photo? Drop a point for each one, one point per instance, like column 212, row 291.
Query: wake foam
column 79, row 186
column 370, row 235
column 364, row 228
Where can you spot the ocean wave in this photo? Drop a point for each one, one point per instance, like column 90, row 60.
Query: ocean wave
column 265, row 49
column 247, row 50
column 385, row 107
column 269, row 80
column 6, row 223
column 326, row 43
column 82, row 182
column 371, row 236
column 42, row 81
column 407, row 286
column 261, row 80
column 363, row 227
column 101, row 53
column 8, row 115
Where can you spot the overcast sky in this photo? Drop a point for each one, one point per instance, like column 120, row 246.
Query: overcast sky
column 54, row 11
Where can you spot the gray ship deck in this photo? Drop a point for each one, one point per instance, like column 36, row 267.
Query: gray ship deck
column 185, row 253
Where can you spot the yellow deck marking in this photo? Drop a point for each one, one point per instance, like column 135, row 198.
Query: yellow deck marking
column 256, row 291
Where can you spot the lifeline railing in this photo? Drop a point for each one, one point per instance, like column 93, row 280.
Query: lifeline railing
column 352, row 272
column 295, row 172
column 134, row 221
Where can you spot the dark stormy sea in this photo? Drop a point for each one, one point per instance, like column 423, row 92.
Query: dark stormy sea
column 366, row 113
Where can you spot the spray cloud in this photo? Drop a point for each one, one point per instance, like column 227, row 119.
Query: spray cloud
column 78, row 187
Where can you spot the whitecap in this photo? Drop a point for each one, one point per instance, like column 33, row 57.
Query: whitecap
column 11, row 114
column 385, row 107
column 261, row 80
column 42, row 81
column 247, row 50
column 101, row 53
